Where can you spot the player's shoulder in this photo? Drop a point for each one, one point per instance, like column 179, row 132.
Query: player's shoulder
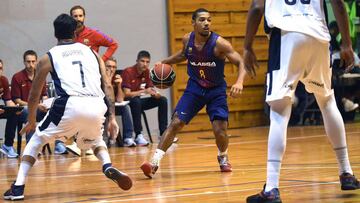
column 186, row 37
column 222, row 43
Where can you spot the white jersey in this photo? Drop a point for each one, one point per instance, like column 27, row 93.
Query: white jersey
column 304, row 16
column 76, row 70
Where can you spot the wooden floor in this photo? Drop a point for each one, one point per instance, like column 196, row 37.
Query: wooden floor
column 190, row 173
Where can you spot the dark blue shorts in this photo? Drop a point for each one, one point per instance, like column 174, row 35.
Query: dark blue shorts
column 196, row 97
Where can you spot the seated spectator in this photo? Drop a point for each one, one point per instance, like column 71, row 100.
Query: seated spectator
column 111, row 65
column 7, row 148
column 20, row 88
column 137, row 83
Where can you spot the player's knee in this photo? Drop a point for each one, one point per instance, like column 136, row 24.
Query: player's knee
column 176, row 124
column 220, row 132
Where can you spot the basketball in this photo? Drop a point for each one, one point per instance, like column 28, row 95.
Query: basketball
column 162, row 76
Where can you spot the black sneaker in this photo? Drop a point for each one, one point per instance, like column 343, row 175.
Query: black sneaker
column 273, row 196
column 15, row 192
column 120, row 178
column 349, row 182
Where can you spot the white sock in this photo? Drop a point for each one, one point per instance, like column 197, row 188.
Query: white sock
column 158, row 155
column 222, row 153
column 335, row 130
column 343, row 160
column 279, row 117
column 23, row 172
column 103, row 156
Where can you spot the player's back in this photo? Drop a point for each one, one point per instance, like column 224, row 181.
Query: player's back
column 304, row 16
column 76, row 70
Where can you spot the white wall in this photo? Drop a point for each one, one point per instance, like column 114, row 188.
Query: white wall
column 135, row 24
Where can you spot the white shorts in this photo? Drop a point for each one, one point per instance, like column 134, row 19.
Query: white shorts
column 295, row 56
column 82, row 117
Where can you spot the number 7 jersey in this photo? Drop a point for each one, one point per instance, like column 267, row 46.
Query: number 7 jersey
column 76, row 70
column 304, row 16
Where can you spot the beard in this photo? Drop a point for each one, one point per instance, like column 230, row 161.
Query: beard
column 79, row 24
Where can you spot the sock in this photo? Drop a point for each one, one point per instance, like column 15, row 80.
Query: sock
column 343, row 160
column 105, row 166
column 158, row 155
column 335, row 130
column 273, row 174
column 279, row 117
column 103, row 156
column 23, row 172
column 222, row 153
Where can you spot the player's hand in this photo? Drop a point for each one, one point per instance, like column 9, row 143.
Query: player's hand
column 28, row 128
column 113, row 128
column 347, row 56
column 2, row 111
column 236, row 90
column 157, row 63
column 250, row 62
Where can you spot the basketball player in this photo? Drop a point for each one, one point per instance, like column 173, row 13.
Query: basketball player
column 80, row 82
column 206, row 52
column 299, row 50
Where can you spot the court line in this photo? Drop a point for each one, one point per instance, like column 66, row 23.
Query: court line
column 187, row 146
column 203, row 193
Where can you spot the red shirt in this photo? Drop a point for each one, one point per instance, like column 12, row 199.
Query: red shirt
column 21, row 85
column 4, row 89
column 94, row 39
column 133, row 80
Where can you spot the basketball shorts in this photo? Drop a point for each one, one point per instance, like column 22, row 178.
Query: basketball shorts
column 82, row 117
column 295, row 57
column 196, row 97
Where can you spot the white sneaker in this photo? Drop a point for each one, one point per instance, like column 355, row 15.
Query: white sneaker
column 141, row 141
column 89, row 152
column 73, row 148
column 349, row 105
column 129, row 142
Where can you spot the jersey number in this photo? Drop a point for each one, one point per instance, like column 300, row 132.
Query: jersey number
column 202, row 74
column 81, row 71
column 293, row 2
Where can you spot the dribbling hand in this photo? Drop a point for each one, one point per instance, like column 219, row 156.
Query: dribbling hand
column 28, row 128
column 347, row 55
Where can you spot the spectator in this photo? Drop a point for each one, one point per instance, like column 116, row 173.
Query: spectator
column 136, row 83
column 111, row 65
column 20, row 88
column 7, row 148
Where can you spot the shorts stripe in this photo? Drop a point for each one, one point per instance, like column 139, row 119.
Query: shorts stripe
column 56, row 113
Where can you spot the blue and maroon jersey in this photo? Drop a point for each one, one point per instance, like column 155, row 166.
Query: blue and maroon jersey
column 203, row 66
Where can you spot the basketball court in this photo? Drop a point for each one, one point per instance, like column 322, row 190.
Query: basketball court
column 190, row 173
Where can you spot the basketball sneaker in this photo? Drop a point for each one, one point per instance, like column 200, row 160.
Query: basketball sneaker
column 120, row 178
column 149, row 169
column 9, row 151
column 73, row 148
column 273, row 196
column 224, row 164
column 348, row 182
column 15, row 192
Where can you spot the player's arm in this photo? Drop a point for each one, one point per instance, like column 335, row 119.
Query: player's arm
column 180, row 55
column 42, row 69
column 15, row 92
column 226, row 49
column 253, row 20
column 106, row 41
column 343, row 22
column 108, row 89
